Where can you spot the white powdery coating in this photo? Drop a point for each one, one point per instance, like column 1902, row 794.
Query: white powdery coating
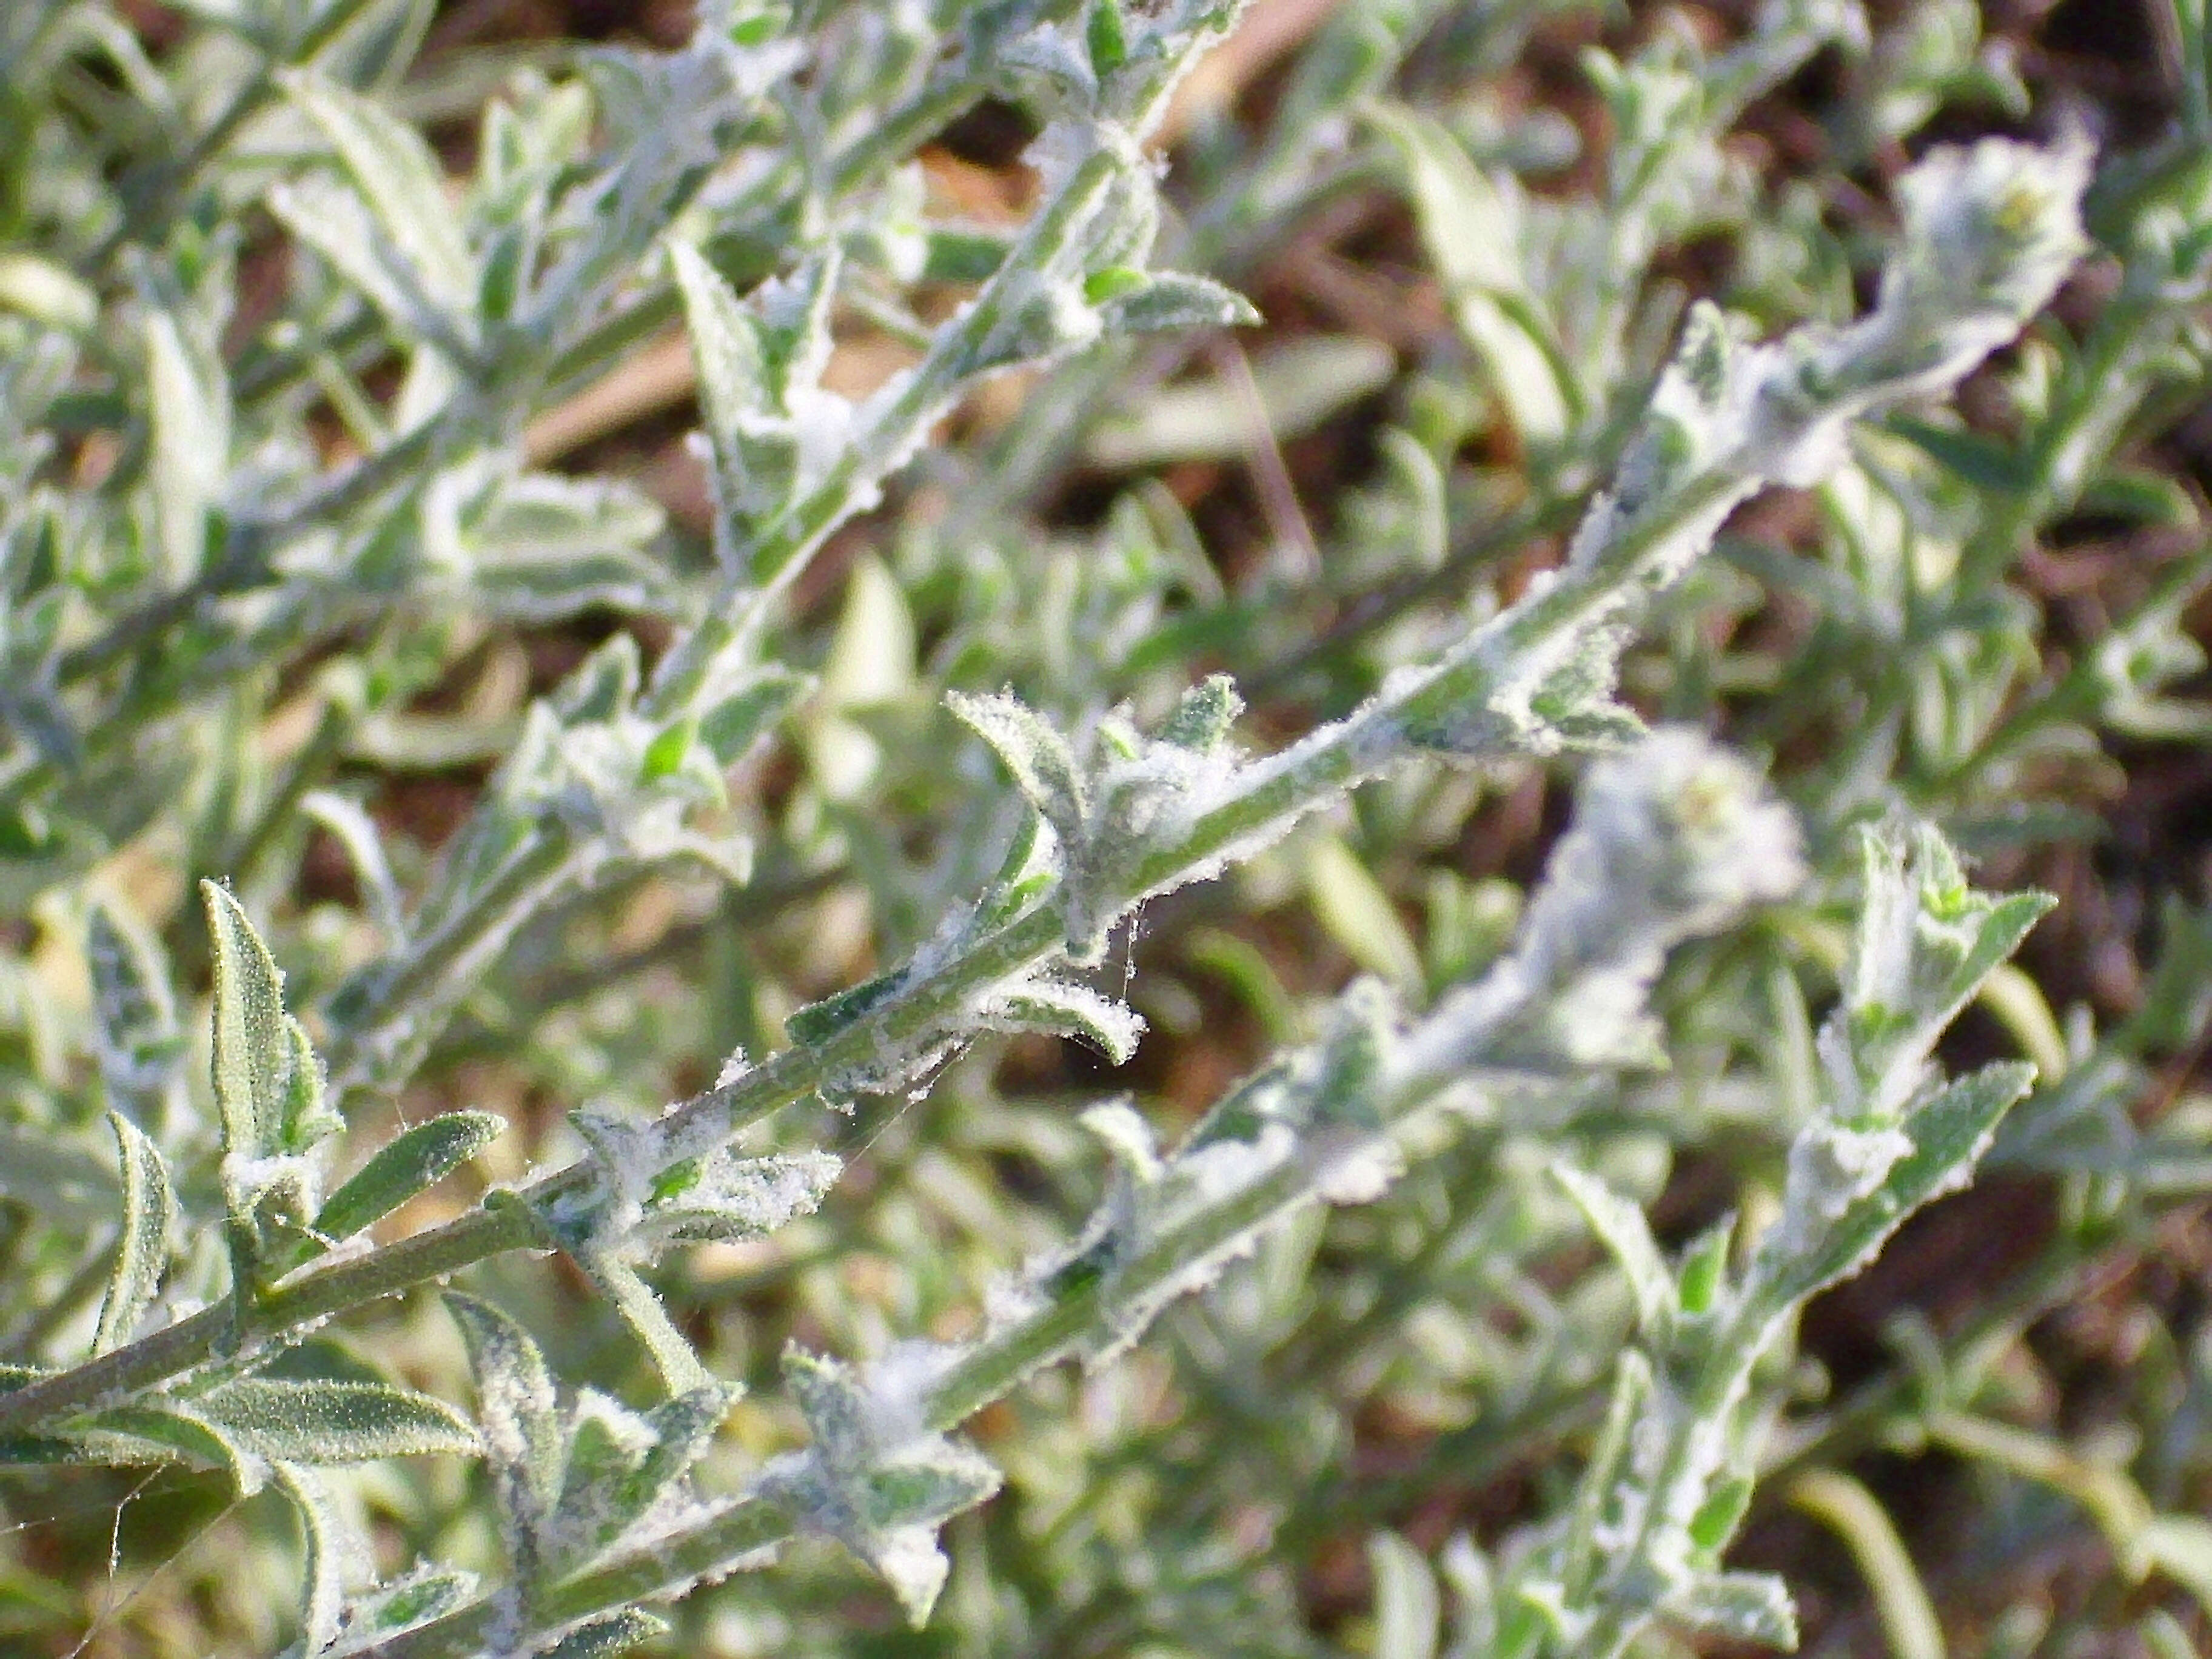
column 1962, row 1174
column 251, row 1178
column 627, row 1158
column 1042, row 1002
column 1998, row 224
column 565, row 1534
column 1345, row 1167
column 1014, row 1298
column 733, row 1070
column 1058, row 149
column 734, row 1197
column 1903, row 1075
column 1129, row 1317
column 1217, row 782
column 1128, row 1136
column 353, row 1638
column 1832, row 1168
column 1889, row 919
column 1707, row 1442
column 892, row 448
column 899, row 1384
column 677, row 1134
column 1203, row 1178
column 1991, row 231
column 877, row 1477
column 1151, row 802
column 1672, row 839
column 1147, row 1208
column 769, row 1191
column 675, row 1514
column 1465, row 1021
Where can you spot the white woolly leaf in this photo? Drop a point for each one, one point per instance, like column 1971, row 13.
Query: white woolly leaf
column 1159, row 301
column 1744, row 1607
column 516, row 1418
column 412, row 1600
column 334, row 221
column 877, row 1477
column 337, row 1551
column 727, row 1197
column 624, row 1465
column 141, row 1243
column 1060, row 1007
column 1621, row 1228
column 253, row 1050
column 606, row 1637
column 1038, row 757
column 401, row 184
column 1834, row 1219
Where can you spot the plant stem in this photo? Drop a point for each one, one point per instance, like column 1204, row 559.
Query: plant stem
column 1074, row 1319
column 1713, row 1395
column 775, row 559
column 1270, row 795
column 316, row 1295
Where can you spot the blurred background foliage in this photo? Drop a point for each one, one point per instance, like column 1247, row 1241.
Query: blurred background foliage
column 1472, row 230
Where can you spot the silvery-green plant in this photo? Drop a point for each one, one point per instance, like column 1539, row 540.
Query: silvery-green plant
column 216, row 515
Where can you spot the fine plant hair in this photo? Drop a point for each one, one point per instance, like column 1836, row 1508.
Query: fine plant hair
column 260, row 534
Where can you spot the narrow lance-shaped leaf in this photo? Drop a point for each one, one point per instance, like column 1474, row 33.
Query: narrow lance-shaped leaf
column 1633, row 1384
column 1060, row 1007
column 337, row 1556
column 1408, row 1611
column 403, row 1166
column 733, row 371
column 642, row 1310
column 607, row 1635
column 400, row 179
column 1808, row 1250
column 517, row 1417
column 317, row 1421
column 252, row 1049
column 731, row 1199
column 308, row 1117
column 413, row 1600
column 1038, row 757
column 142, row 1244
column 192, row 440
column 1743, row 1606
column 1621, row 1228
column 1471, row 231
column 623, row 1466
column 1926, row 941
column 170, row 1432
column 1152, row 302
column 363, row 842
column 326, row 215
